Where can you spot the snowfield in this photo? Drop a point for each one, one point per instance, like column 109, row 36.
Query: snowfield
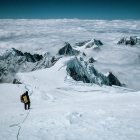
column 62, row 108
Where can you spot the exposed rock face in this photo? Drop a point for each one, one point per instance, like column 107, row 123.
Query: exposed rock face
column 76, row 76
column 112, row 79
column 14, row 61
column 81, row 70
column 84, row 54
column 132, row 40
column 29, row 57
column 90, row 44
column 82, row 43
column 91, row 60
column 54, row 60
column 33, row 58
column 15, row 81
column 68, row 50
column 47, row 61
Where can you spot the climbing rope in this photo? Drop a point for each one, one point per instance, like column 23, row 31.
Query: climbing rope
column 19, row 124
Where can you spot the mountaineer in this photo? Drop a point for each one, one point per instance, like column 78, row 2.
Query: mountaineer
column 26, row 100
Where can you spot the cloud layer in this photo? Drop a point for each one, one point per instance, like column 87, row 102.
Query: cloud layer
column 40, row 36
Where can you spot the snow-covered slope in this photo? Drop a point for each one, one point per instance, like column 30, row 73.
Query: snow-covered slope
column 62, row 108
column 75, row 67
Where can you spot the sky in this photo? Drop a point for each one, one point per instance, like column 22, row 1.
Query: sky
column 69, row 9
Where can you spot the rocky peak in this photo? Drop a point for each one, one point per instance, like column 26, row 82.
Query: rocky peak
column 81, row 70
column 91, row 60
column 112, row 79
column 14, row 52
column 132, row 40
column 68, row 50
column 90, row 43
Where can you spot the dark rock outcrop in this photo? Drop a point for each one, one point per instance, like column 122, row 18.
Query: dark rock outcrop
column 30, row 58
column 84, row 54
column 33, row 58
column 98, row 42
column 91, row 60
column 54, row 60
column 18, row 53
column 132, row 40
column 77, row 76
column 81, row 70
column 15, row 81
column 68, row 50
column 113, row 80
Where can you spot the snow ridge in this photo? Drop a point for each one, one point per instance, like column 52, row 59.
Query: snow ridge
column 93, row 43
column 81, row 70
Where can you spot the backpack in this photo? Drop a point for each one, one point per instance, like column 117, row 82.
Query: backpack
column 21, row 99
column 25, row 99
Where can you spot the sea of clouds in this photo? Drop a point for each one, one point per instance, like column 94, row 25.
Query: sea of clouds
column 41, row 36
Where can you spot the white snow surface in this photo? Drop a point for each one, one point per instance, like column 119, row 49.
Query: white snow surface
column 64, row 109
